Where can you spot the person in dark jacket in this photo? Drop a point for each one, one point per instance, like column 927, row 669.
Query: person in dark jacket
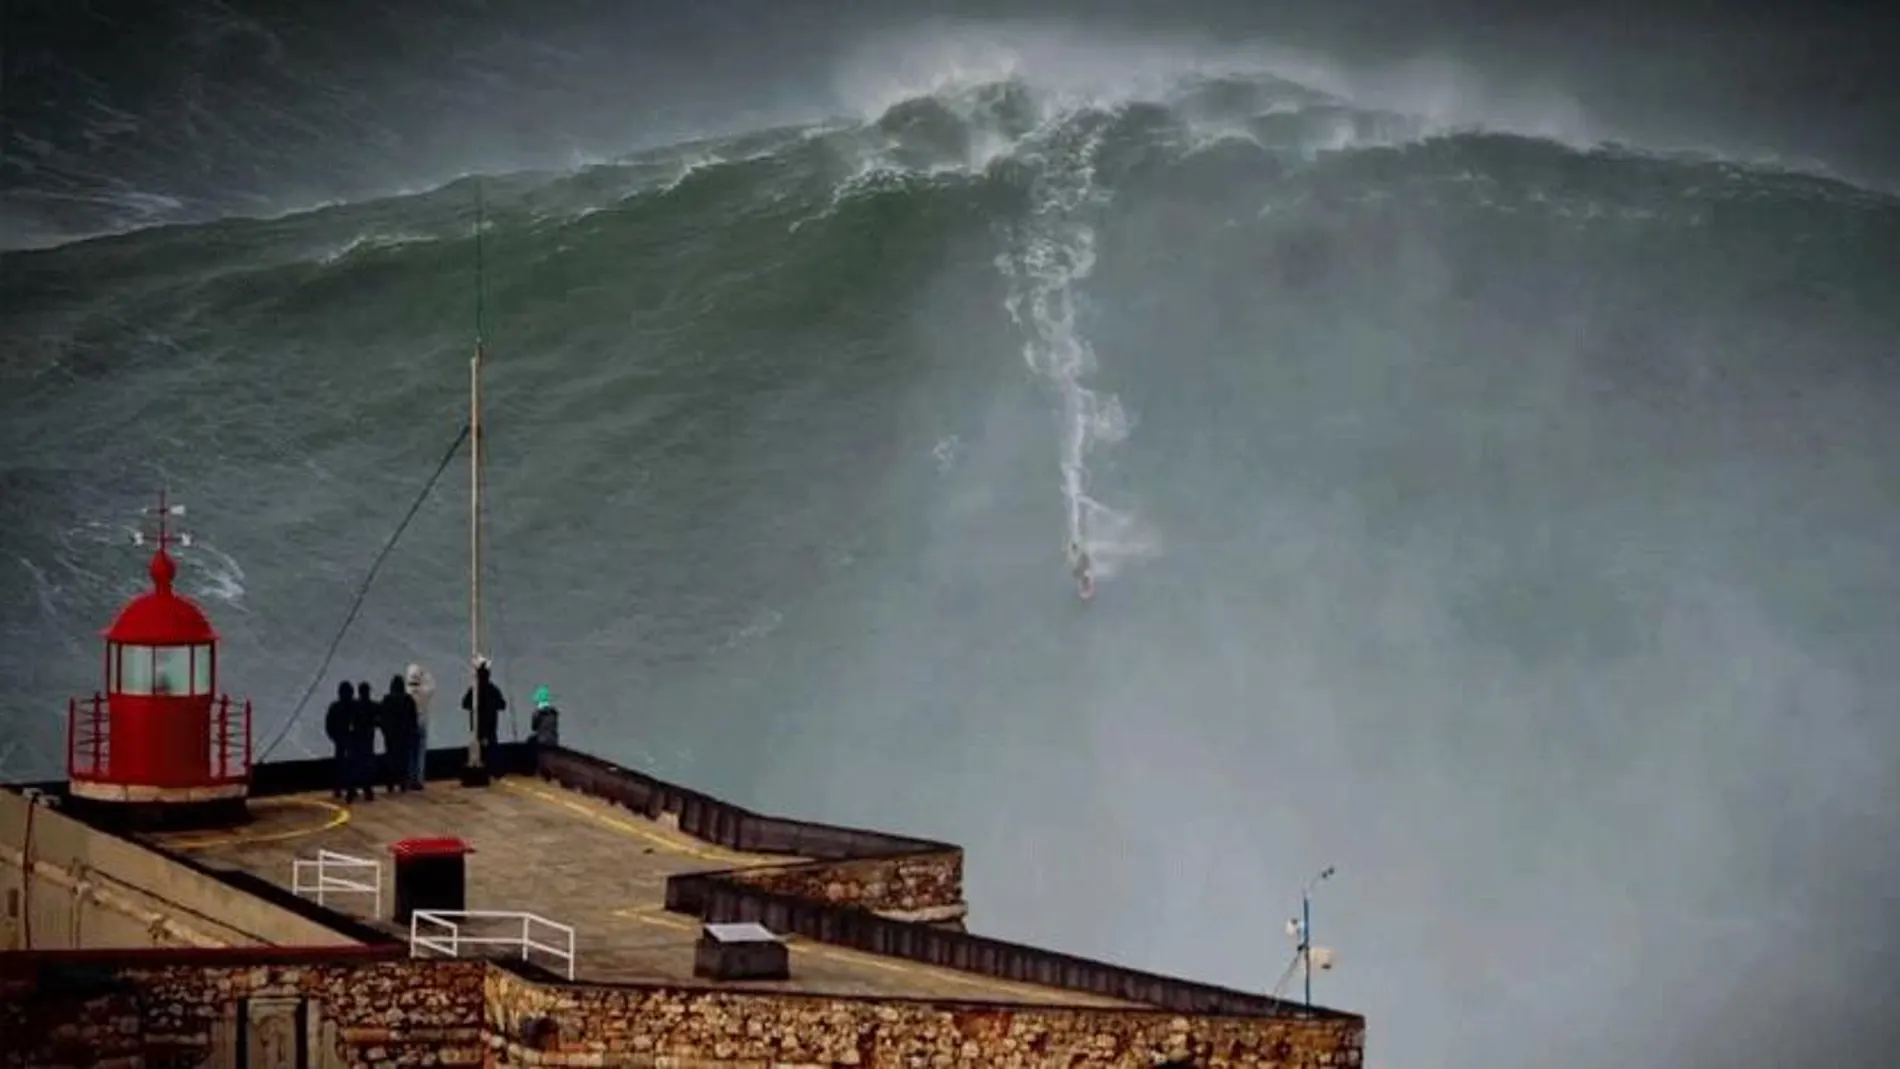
column 336, row 725
column 396, row 719
column 488, row 713
column 362, row 745
column 545, row 729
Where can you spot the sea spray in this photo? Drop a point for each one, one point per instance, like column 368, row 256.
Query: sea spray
column 1051, row 253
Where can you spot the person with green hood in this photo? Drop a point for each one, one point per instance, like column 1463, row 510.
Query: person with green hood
column 546, row 726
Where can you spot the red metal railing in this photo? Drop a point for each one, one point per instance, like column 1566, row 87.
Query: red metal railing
column 230, row 743
column 87, row 744
column 89, row 748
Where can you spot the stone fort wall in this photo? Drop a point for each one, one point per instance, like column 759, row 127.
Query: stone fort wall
column 340, row 1008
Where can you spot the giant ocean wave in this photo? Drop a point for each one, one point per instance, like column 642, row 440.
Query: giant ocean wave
column 1463, row 493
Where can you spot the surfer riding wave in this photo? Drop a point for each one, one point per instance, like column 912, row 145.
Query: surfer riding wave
column 1083, row 570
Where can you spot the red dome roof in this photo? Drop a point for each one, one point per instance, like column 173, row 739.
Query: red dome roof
column 160, row 617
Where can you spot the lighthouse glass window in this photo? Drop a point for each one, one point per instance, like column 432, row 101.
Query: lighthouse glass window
column 171, row 670
column 177, row 670
column 201, row 669
column 135, row 670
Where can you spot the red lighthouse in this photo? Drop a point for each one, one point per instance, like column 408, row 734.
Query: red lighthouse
column 161, row 745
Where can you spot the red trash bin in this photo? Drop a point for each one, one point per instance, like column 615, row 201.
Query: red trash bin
column 430, row 874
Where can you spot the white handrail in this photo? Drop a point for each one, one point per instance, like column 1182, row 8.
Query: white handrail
column 327, row 881
column 416, row 939
column 446, row 920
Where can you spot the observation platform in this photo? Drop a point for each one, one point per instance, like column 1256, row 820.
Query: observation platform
column 583, row 871
column 562, row 856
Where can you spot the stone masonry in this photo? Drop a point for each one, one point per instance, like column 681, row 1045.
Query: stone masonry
column 537, row 1025
column 101, row 1030
column 907, row 883
column 96, row 1011
column 142, row 1011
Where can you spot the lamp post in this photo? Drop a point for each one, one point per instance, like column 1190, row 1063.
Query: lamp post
column 1306, row 930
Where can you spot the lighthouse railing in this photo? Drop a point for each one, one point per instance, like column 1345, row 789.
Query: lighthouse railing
column 230, row 740
column 88, row 748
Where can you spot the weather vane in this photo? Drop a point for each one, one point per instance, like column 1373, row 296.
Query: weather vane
column 164, row 538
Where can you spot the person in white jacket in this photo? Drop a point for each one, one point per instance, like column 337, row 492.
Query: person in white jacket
column 421, row 686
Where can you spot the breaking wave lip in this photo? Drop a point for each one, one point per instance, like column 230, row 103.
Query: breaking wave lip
column 1076, row 71
column 655, row 178
column 370, row 242
column 899, row 93
column 134, row 210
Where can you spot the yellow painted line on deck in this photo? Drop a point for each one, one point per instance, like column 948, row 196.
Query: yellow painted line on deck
column 804, row 947
column 930, row 972
column 338, row 816
column 656, row 915
column 647, row 830
column 665, row 918
column 661, row 916
column 933, row 973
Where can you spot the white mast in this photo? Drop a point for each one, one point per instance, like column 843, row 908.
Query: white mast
column 477, row 772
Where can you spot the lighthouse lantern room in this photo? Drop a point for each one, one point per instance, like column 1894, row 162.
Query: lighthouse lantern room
column 161, row 743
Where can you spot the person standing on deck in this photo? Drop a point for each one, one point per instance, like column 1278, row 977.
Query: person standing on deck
column 422, row 690
column 487, row 712
column 336, row 724
column 397, row 719
column 362, row 731
column 545, row 728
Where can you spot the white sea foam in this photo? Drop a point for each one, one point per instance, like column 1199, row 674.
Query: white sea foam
column 1051, row 255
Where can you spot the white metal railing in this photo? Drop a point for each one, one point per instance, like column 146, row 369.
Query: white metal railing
column 319, row 876
column 440, row 930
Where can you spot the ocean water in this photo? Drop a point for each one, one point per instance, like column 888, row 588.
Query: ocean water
column 1504, row 519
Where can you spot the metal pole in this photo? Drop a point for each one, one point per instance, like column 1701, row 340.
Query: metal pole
column 1306, row 930
column 475, row 756
column 1306, row 941
column 475, row 555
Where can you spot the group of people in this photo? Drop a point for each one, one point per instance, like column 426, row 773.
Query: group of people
column 401, row 717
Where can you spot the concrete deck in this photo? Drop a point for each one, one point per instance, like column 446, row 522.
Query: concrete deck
column 561, row 855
